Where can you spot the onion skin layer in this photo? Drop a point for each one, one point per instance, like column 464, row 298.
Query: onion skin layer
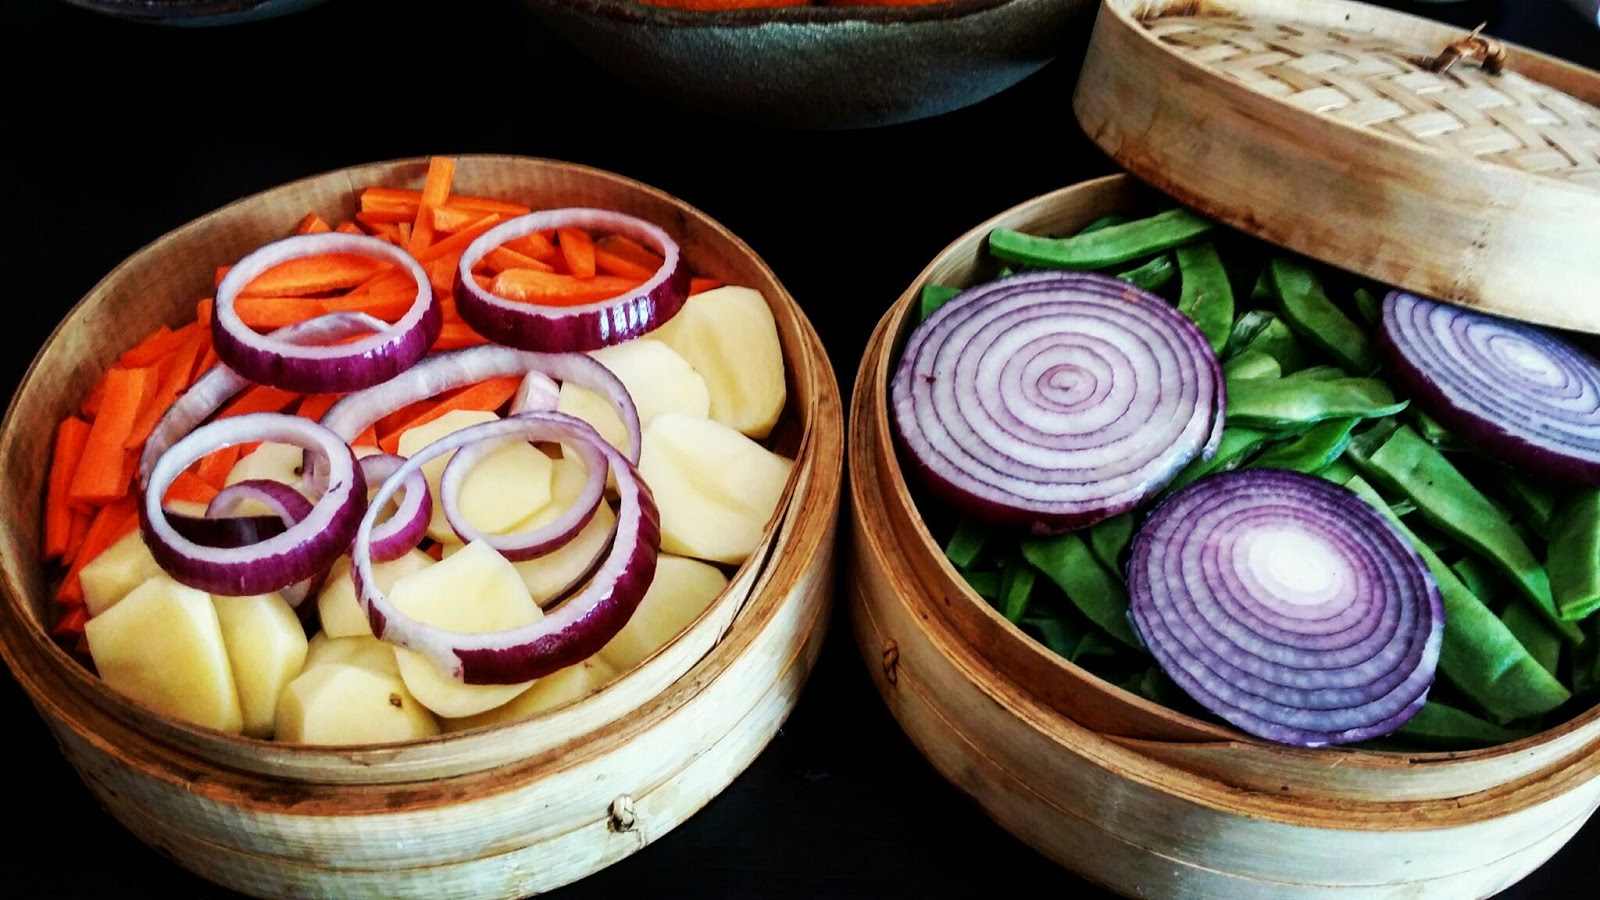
column 1337, row 645
column 1489, row 400
column 1019, row 401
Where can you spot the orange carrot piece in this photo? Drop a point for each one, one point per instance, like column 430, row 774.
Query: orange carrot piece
column 202, row 312
column 72, row 435
column 387, row 306
column 449, row 219
column 608, row 263
column 312, row 224
column 90, row 407
column 81, row 517
column 458, row 242
column 172, row 375
column 537, row 245
column 399, row 199
column 368, row 438
column 436, row 186
column 315, row 406
column 701, row 285
column 71, row 623
column 421, row 234
column 191, row 488
column 548, row 289
column 630, row 250
column 214, row 467
column 577, row 248
column 99, row 476
column 155, row 345
column 436, row 551
column 348, row 228
column 487, row 395
column 111, row 523
column 268, row 313
column 259, row 398
column 312, row 275
column 503, row 257
column 458, row 334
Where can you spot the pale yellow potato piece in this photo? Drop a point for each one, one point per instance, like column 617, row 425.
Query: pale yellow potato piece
column 473, row 590
column 162, row 645
column 716, row 488
column 337, row 606
column 339, row 703
column 505, row 488
column 118, row 569
column 270, row 461
column 546, row 577
column 362, row 650
column 657, row 378
column 556, row 689
column 681, row 589
column 414, row 439
column 266, row 647
column 729, row 336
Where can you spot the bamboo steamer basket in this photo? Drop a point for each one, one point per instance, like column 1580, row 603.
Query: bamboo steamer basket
column 500, row 811
column 1141, row 799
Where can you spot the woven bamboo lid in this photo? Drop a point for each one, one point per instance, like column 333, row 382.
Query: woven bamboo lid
column 1403, row 149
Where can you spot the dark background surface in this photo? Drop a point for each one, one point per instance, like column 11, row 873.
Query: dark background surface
column 113, row 133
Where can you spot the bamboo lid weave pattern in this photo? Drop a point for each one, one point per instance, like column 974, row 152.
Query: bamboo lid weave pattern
column 1365, row 80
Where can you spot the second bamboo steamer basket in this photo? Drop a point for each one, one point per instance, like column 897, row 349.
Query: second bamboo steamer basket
column 1145, row 801
column 502, row 811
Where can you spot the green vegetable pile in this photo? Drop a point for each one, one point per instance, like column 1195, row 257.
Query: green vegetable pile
column 1516, row 559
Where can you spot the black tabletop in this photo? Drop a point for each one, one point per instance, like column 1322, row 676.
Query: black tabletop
column 115, row 133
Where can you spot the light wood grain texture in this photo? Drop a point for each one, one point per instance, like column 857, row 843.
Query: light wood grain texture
column 498, row 811
column 1308, row 124
column 1130, row 794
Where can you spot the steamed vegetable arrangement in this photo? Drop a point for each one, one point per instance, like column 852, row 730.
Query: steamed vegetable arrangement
column 452, row 463
column 1254, row 488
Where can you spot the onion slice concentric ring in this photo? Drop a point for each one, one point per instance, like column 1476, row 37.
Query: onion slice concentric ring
column 1050, row 401
column 327, row 368
column 589, row 326
column 571, row 632
column 1520, row 391
column 1286, row 605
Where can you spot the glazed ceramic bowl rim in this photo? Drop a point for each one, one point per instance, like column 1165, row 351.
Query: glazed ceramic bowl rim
column 636, row 12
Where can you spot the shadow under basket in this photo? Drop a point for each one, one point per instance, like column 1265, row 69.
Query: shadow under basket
column 504, row 810
column 1141, row 799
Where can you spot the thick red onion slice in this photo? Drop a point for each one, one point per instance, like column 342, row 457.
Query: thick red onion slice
column 302, row 551
column 1049, row 401
column 323, row 368
column 399, row 534
column 451, row 369
column 288, row 504
column 1521, row 392
column 536, row 542
column 1286, row 605
column 587, row 327
column 220, row 383
column 571, row 632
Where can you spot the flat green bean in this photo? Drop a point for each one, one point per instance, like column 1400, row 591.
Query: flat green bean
column 1437, row 723
column 1065, row 559
column 1531, row 631
column 985, row 583
column 1251, row 364
column 1411, row 467
column 1102, row 223
column 1153, row 275
column 1573, row 557
column 1311, row 452
column 1289, row 401
column 1277, row 340
column 1109, row 539
column 966, row 543
column 1055, row 634
column 1016, row 589
column 1434, row 433
column 1109, row 246
column 1533, row 502
column 1206, row 296
column 934, row 296
column 1315, row 318
column 1368, row 306
column 1236, row 445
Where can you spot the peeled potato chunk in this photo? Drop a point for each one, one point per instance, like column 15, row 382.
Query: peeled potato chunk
column 729, row 336
column 414, row 439
column 657, row 378
column 473, row 590
column 272, row 462
column 338, row 703
column 556, row 689
column 118, row 569
column 266, row 647
column 681, row 589
column 546, row 577
column 362, row 650
column 337, row 606
column 716, row 488
column 504, row 488
column 162, row 645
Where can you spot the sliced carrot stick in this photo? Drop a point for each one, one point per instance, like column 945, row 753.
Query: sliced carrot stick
column 486, row 395
column 81, row 517
column 368, row 438
column 310, row 275
column 448, row 220
column 421, row 231
column 312, row 224
column 155, row 345
column 537, row 245
column 701, row 285
column 503, row 257
column 268, row 313
column 110, row 523
column 397, row 200
column 71, row 623
column 387, row 306
column 630, row 250
column 348, row 228
column 259, row 398
column 214, row 467
column 315, row 406
column 190, row 488
column 577, row 248
column 608, row 263
column 549, row 289
column 455, row 335
column 90, row 407
column 172, row 375
column 72, row 435
column 458, row 242
column 389, row 231
column 99, row 476
column 436, row 186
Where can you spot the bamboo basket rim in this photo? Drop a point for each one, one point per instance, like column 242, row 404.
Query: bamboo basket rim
column 811, row 363
column 871, row 391
column 871, row 501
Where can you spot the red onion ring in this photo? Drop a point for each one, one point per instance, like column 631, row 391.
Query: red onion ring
column 590, row 326
column 288, row 504
column 519, row 546
column 220, row 383
column 336, row 368
column 1521, row 392
column 537, row 392
column 570, row 633
column 399, row 534
column 1050, row 401
column 1286, row 605
column 302, row 551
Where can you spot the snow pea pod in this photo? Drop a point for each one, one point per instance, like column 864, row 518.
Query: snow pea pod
column 1368, row 306
column 966, row 543
column 1573, row 558
column 1542, row 644
column 1206, row 296
column 1311, row 452
column 1290, row 401
column 1016, row 589
column 1532, row 501
column 1252, row 364
column 1056, row 634
column 1479, row 655
column 1411, row 467
column 1315, row 318
column 1109, row 246
column 1262, row 331
column 1437, row 723
column 1108, row 540
column 934, row 296
column 1236, row 445
column 1065, row 559
column 1153, row 275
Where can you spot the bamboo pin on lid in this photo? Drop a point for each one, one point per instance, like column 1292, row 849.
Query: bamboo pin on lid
column 1438, row 160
